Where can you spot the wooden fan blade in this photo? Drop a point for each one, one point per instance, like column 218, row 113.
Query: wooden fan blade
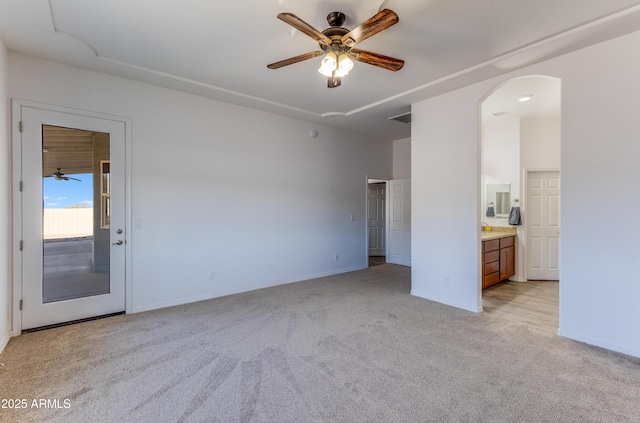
column 376, row 59
column 382, row 20
column 304, row 27
column 296, row 59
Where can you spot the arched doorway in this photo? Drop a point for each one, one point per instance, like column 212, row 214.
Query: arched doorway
column 520, row 172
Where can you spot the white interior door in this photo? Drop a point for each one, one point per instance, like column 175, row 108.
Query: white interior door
column 543, row 225
column 42, row 306
column 376, row 219
column 400, row 222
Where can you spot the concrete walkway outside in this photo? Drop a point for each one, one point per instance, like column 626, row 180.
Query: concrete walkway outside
column 68, row 270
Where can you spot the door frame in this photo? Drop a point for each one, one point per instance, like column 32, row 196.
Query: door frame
column 16, row 140
column 525, row 227
column 387, row 183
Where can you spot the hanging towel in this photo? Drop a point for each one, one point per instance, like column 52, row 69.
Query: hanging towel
column 491, row 211
column 514, row 216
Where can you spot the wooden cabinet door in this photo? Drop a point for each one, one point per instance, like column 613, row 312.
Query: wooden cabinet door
column 511, row 261
column 503, row 263
column 507, row 262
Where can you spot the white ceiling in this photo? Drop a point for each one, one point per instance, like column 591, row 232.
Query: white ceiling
column 220, row 49
column 504, row 101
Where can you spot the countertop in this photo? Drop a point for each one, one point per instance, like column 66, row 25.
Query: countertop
column 497, row 233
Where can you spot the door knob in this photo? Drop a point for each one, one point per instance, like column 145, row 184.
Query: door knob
column 118, row 242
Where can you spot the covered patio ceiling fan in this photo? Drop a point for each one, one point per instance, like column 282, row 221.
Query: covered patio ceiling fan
column 59, row 176
column 337, row 43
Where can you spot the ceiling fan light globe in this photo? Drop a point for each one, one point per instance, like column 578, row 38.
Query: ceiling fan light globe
column 325, row 72
column 344, row 65
column 328, row 64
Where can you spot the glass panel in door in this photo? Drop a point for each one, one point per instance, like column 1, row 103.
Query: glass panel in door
column 75, row 218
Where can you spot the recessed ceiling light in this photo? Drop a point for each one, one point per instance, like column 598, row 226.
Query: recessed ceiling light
column 525, row 97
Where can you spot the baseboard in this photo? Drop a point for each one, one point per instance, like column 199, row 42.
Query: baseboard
column 325, row 274
column 597, row 342
column 176, row 302
column 210, row 296
column 445, row 301
column 4, row 340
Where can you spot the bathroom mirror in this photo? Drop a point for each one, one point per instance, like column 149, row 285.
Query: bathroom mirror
column 497, row 200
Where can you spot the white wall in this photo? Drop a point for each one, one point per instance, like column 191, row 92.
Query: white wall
column 219, row 188
column 501, row 160
column 501, row 151
column 68, row 223
column 599, row 162
column 539, row 150
column 402, row 159
column 540, row 143
column 445, row 229
column 600, row 153
column 5, row 204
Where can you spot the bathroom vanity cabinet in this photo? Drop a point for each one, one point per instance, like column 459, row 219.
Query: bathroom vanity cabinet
column 498, row 260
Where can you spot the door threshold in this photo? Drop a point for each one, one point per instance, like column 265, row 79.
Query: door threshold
column 72, row 322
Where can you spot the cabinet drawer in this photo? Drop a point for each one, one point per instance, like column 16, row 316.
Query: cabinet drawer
column 492, row 267
column 492, row 245
column 491, row 279
column 491, row 256
column 507, row 242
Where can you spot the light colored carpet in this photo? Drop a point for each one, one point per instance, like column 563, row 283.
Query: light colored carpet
column 348, row 348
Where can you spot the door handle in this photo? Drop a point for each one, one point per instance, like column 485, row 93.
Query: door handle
column 118, row 242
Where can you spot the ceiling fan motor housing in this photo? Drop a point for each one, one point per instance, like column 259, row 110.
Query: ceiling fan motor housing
column 335, row 32
column 336, row 18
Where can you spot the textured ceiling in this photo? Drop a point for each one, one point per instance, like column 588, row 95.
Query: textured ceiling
column 220, row 49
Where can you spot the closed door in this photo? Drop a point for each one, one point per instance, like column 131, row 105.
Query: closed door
column 71, row 268
column 376, row 219
column 543, row 225
column 400, row 222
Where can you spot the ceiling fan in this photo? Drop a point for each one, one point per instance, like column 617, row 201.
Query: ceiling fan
column 59, row 176
column 337, row 43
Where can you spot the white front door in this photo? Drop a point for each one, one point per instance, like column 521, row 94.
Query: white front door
column 543, row 225
column 51, row 291
column 400, row 222
column 376, row 219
